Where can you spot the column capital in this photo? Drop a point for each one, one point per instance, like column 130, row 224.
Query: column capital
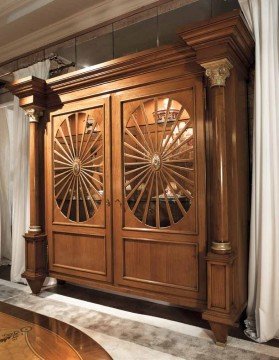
column 33, row 114
column 217, row 71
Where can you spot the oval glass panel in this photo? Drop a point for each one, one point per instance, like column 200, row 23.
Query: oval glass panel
column 159, row 162
column 78, row 165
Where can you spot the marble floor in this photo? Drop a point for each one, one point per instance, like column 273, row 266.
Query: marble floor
column 129, row 336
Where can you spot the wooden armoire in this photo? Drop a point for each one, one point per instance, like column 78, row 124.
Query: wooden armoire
column 139, row 173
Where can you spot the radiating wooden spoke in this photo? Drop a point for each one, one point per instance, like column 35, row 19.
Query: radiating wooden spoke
column 178, row 154
column 166, row 199
column 185, row 191
column 66, row 143
column 63, row 186
column 90, row 178
column 172, row 128
column 176, row 167
column 140, row 133
column 129, row 146
column 77, row 169
column 62, row 180
column 66, row 192
column 71, row 198
column 67, row 153
column 147, row 125
column 62, row 168
column 179, row 161
column 62, row 162
column 70, row 136
column 156, row 124
column 62, row 173
column 92, row 160
column 175, row 173
column 174, row 149
column 136, row 169
column 88, row 138
column 83, row 133
column 88, row 193
column 159, row 186
column 96, row 191
column 141, row 193
column 137, row 185
column 135, row 157
column 165, row 124
column 175, row 196
column 63, row 157
column 177, row 137
column 157, row 201
column 136, row 141
column 84, row 201
column 91, row 147
column 148, row 199
column 135, row 177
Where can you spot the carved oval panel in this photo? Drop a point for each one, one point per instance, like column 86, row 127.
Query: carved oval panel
column 159, row 162
column 78, row 166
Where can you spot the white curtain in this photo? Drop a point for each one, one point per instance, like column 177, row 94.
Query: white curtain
column 5, row 195
column 263, row 300
column 20, row 175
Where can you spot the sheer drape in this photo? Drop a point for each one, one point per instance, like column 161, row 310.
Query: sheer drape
column 20, row 174
column 263, row 299
column 5, row 196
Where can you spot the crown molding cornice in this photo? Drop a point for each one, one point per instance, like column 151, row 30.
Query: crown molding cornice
column 69, row 26
column 41, row 94
column 226, row 36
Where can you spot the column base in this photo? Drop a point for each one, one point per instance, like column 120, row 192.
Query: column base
column 36, row 260
column 35, row 282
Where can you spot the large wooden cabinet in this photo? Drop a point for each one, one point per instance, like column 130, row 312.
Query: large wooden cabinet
column 144, row 186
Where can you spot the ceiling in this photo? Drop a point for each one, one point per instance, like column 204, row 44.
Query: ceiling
column 26, row 25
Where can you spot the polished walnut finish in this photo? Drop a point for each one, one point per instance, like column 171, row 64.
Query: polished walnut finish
column 28, row 335
column 146, row 172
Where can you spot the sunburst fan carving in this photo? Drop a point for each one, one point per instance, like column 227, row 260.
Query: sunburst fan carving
column 78, row 167
column 159, row 162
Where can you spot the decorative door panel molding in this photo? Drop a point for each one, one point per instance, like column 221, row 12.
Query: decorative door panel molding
column 78, row 167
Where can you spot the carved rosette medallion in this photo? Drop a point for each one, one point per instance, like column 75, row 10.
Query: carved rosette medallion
column 156, row 161
column 217, row 71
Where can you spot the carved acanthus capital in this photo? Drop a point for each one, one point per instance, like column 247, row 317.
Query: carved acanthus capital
column 217, row 71
column 33, row 114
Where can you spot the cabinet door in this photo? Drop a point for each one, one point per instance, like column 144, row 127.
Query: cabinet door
column 159, row 189
column 78, row 214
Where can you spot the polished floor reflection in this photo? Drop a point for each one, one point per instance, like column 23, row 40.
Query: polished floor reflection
column 28, row 336
column 130, row 335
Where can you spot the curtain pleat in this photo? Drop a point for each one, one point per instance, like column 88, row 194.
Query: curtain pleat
column 263, row 297
column 5, row 196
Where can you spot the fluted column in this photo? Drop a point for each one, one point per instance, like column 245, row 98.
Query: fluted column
column 35, row 239
column 217, row 72
column 35, row 226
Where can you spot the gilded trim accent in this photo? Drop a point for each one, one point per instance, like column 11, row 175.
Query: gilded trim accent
column 33, row 115
column 221, row 246
column 35, row 228
column 217, row 71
